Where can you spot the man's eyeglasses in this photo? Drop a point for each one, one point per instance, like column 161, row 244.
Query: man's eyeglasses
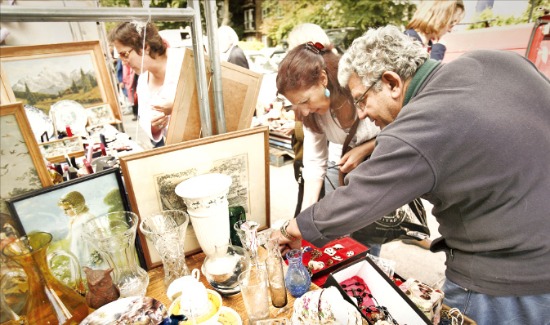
column 125, row 54
column 359, row 103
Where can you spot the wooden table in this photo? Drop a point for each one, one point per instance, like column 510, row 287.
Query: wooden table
column 157, row 290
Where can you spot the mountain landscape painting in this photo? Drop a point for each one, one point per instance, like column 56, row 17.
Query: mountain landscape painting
column 41, row 82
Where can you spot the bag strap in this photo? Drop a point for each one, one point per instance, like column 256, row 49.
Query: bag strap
column 346, row 148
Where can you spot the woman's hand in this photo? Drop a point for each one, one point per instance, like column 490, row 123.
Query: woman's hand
column 166, row 110
column 162, row 105
column 356, row 155
column 158, row 124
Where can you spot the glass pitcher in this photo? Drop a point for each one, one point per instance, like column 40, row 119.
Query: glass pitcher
column 49, row 301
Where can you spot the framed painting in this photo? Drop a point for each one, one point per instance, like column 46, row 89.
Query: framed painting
column 41, row 75
column 240, row 94
column 54, row 151
column 100, row 115
column 152, row 176
column 62, row 210
column 22, row 168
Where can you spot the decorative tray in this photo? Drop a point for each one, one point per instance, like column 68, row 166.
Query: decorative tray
column 321, row 261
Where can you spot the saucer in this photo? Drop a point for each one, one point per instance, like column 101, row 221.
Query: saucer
column 228, row 316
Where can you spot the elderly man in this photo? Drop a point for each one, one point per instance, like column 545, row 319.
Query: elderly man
column 472, row 137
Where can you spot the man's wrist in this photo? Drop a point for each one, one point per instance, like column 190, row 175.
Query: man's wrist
column 285, row 233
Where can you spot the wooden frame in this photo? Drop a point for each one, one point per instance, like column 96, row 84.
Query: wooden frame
column 56, row 209
column 55, row 151
column 240, row 93
column 6, row 94
column 22, row 169
column 22, row 63
column 152, row 176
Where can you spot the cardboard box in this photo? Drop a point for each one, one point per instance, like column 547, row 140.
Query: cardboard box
column 383, row 289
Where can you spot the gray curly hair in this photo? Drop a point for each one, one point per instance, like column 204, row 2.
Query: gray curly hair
column 380, row 50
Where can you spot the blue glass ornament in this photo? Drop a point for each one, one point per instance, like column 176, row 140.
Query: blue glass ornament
column 297, row 278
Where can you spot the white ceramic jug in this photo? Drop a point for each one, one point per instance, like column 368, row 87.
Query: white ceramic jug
column 206, row 199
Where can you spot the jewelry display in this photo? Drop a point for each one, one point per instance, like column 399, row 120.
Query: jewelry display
column 357, row 289
column 320, row 261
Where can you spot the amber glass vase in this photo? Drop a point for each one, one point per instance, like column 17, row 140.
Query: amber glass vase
column 49, row 301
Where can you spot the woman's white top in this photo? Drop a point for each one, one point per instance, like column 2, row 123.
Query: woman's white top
column 316, row 145
column 166, row 93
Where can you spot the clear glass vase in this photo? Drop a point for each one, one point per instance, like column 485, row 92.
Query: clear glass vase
column 297, row 278
column 114, row 235
column 167, row 230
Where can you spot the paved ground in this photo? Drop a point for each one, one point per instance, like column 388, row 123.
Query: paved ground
column 411, row 261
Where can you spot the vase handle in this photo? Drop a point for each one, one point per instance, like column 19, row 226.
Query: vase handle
column 74, row 268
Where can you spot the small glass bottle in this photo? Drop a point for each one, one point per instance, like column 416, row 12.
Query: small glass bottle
column 236, row 214
column 275, row 273
column 297, row 278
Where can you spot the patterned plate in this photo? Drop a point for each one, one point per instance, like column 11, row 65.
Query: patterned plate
column 71, row 113
column 40, row 123
column 130, row 310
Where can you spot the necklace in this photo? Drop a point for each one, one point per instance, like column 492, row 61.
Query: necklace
column 335, row 119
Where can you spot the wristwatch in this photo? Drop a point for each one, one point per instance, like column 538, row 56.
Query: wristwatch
column 285, row 233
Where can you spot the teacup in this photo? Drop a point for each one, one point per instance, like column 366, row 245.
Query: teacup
column 210, row 317
column 191, row 294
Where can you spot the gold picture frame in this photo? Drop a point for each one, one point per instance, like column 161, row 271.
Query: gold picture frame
column 240, row 94
column 75, row 71
column 22, row 169
column 54, row 151
column 151, row 177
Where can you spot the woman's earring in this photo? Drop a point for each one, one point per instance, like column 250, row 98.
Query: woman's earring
column 327, row 93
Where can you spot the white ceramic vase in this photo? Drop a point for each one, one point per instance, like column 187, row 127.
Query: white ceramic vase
column 206, row 199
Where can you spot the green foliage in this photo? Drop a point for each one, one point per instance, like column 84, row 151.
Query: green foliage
column 170, row 4
column 487, row 18
column 283, row 15
column 31, row 98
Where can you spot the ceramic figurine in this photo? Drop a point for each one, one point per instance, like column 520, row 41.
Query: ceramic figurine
column 101, row 289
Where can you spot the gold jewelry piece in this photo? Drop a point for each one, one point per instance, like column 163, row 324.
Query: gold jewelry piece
column 285, row 233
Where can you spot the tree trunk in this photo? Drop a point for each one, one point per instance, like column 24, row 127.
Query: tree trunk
column 226, row 14
column 135, row 3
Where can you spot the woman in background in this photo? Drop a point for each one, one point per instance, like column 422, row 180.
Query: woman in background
column 431, row 21
column 140, row 45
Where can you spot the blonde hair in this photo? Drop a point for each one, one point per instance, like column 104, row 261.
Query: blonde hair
column 433, row 17
column 227, row 38
column 307, row 32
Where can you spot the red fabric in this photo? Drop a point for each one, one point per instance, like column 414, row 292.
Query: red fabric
column 319, row 277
